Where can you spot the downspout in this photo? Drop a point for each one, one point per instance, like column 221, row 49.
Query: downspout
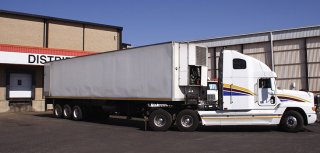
column 272, row 56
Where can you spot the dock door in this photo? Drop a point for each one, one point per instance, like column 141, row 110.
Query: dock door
column 20, row 86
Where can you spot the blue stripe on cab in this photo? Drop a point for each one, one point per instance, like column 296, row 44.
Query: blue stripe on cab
column 228, row 93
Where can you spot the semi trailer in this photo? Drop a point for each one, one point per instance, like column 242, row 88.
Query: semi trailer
column 167, row 84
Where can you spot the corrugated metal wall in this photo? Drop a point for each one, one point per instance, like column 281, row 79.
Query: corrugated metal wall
column 260, row 51
column 313, row 60
column 296, row 54
column 289, row 63
column 295, row 60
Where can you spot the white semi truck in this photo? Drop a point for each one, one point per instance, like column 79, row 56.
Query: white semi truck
column 167, row 84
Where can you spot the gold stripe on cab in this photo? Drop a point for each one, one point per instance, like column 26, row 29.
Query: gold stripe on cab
column 238, row 118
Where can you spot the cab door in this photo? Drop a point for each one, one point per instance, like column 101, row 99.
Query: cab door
column 265, row 92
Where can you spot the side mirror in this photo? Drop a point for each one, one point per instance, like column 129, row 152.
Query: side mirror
column 273, row 100
column 293, row 86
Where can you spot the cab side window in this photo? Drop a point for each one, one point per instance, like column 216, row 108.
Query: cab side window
column 264, row 83
column 239, row 63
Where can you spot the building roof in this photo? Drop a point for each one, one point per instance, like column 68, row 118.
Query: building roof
column 60, row 19
column 295, row 33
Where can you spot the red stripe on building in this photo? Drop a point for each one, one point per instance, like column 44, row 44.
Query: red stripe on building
column 39, row 50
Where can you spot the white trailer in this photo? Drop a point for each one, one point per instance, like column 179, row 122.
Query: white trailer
column 167, row 84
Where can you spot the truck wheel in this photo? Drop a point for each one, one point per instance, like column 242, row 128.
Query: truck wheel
column 187, row 120
column 292, row 121
column 57, row 111
column 67, row 111
column 160, row 120
column 77, row 113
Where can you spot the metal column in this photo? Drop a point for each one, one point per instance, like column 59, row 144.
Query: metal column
column 305, row 50
column 272, row 57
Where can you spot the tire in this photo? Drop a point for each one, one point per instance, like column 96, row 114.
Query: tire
column 77, row 113
column 67, row 111
column 160, row 120
column 292, row 121
column 187, row 120
column 57, row 111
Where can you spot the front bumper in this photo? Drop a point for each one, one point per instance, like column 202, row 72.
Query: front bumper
column 312, row 118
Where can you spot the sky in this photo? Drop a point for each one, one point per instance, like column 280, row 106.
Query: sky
column 153, row 21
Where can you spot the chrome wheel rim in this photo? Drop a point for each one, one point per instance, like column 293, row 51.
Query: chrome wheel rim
column 66, row 112
column 186, row 121
column 160, row 120
column 57, row 111
column 76, row 113
column 292, row 122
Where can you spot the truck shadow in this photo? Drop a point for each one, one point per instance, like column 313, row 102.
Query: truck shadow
column 139, row 124
column 240, row 128
column 113, row 121
column 244, row 128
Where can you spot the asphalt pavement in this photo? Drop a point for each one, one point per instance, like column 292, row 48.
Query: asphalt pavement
column 40, row 132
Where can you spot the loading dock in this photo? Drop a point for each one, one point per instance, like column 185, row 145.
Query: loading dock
column 21, row 74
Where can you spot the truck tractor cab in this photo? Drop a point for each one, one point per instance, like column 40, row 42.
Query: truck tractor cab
column 247, row 95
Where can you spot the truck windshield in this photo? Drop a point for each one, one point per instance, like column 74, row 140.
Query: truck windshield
column 212, row 86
